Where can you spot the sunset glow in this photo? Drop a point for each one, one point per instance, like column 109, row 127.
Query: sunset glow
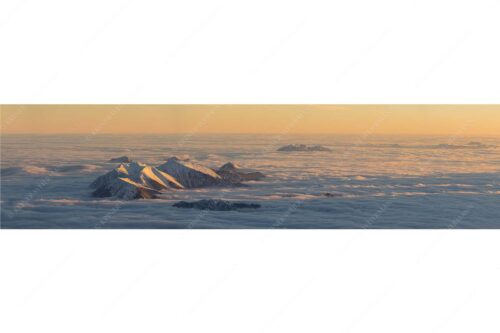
column 307, row 119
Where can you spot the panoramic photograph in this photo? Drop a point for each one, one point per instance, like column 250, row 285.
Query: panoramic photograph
column 250, row 166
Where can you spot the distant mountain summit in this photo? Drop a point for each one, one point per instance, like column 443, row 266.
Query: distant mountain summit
column 301, row 147
column 137, row 180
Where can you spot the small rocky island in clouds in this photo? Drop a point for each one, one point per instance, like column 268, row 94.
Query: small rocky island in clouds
column 235, row 174
column 136, row 180
column 301, row 147
column 121, row 159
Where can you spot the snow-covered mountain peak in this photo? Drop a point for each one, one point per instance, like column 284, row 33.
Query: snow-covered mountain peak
column 138, row 180
column 133, row 180
column 189, row 174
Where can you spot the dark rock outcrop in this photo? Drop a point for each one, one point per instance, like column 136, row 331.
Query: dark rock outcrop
column 332, row 195
column 218, row 205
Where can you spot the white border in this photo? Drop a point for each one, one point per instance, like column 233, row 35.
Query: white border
column 251, row 281
column 195, row 51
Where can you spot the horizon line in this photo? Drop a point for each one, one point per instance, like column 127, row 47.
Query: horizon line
column 251, row 133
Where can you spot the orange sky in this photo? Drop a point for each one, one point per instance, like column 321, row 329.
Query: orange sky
column 335, row 119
